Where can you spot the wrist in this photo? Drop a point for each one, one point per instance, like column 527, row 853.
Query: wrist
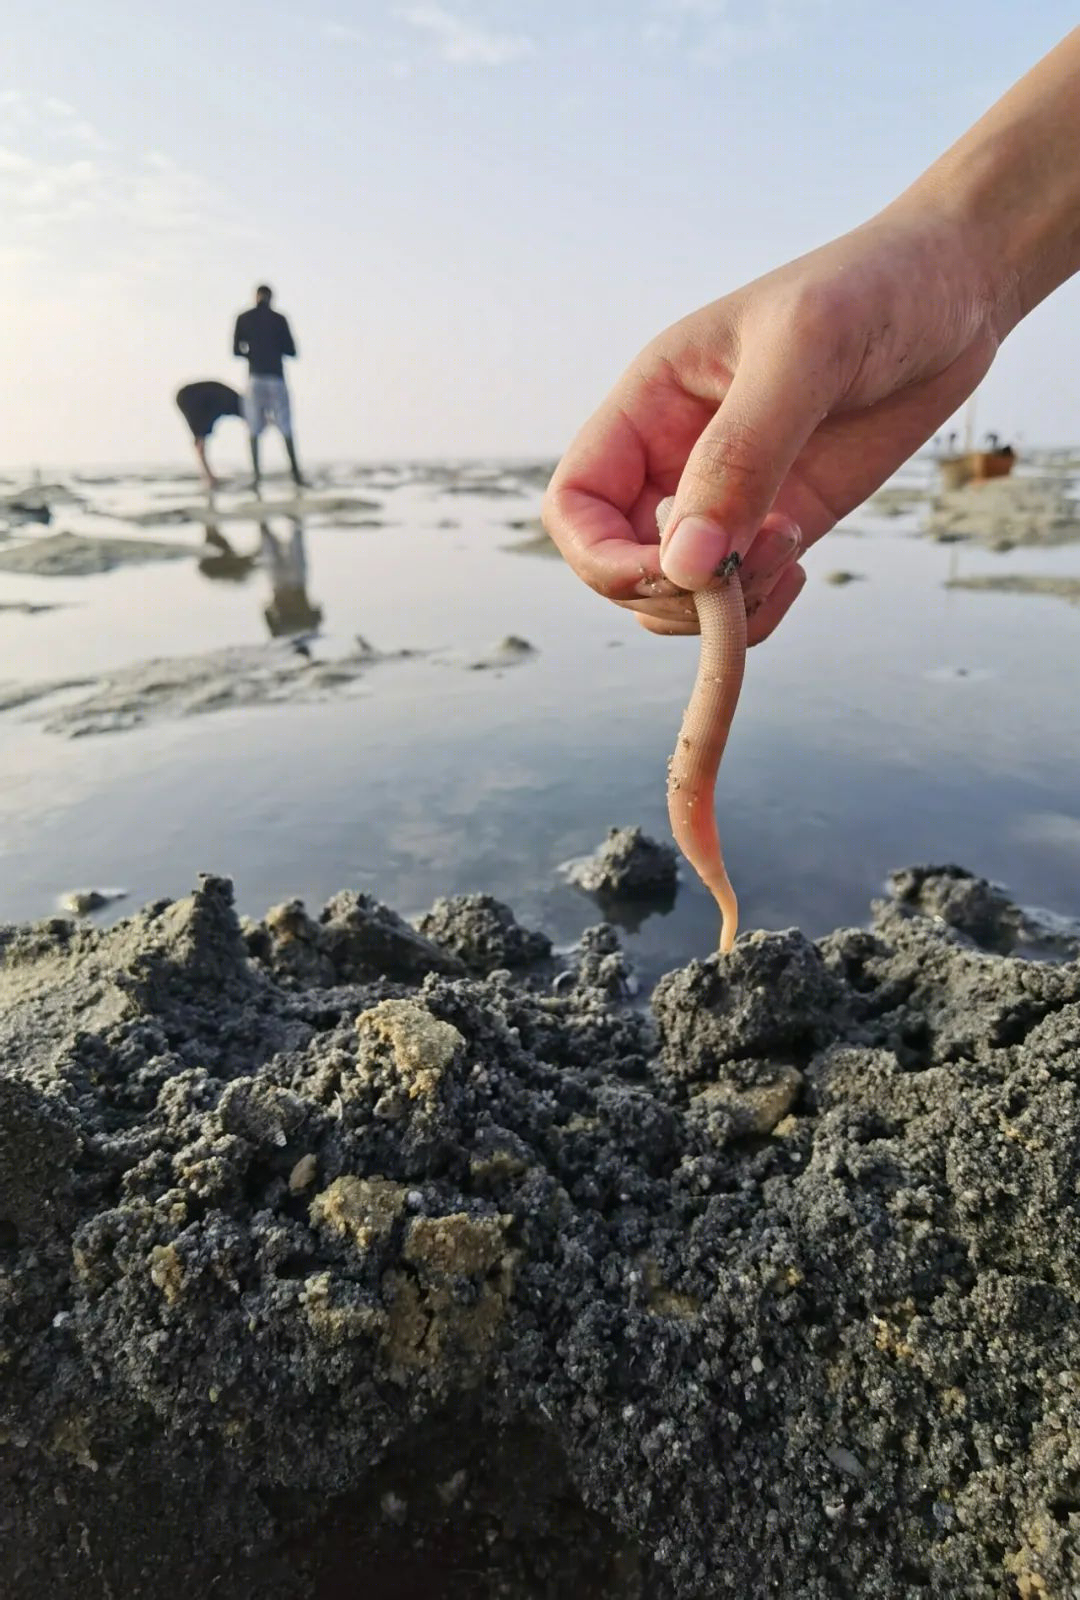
column 1019, row 224
column 1011, row 189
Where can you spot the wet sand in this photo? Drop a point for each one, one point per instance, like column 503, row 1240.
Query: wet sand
column 1061, row 588
column 1003, row 512
column 71, row 555
column 233, row 679
column 338, row 1246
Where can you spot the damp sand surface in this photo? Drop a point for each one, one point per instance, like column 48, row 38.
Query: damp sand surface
column 1042, row 584
column 339, row 1249
column 1027, row 508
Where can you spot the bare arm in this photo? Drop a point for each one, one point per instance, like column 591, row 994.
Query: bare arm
column 1013, row 185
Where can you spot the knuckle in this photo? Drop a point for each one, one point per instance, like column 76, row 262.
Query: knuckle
column 735, row 456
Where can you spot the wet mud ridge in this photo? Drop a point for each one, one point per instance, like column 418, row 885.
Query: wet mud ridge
column 339, row 1258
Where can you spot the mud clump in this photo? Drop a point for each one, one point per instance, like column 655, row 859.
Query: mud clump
column 355, row 937
column 337, row 1252
column 482, row 933
column 628, row 864
column 508, row 652
column 84, row 902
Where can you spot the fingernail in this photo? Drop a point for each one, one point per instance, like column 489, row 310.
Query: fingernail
column 694, row 551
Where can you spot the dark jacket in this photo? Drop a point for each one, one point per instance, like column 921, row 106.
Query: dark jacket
column 263, row 336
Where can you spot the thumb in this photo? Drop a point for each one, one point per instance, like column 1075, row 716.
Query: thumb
column 734, row 472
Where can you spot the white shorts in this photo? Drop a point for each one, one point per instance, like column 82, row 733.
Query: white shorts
column 267, row 400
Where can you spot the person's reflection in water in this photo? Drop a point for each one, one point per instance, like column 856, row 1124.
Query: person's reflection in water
column 221, row 561
column 290, row 610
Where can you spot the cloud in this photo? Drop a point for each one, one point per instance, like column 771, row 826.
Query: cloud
column 67, row 124
column 716, row 32
column 79, row 131
column 49, row 120
column 91, row 213
column 341, row 33
column 465, row 43
column 14, row 108
column 151, row 195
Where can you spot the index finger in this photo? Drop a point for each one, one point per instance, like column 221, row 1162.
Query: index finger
column 600, row 510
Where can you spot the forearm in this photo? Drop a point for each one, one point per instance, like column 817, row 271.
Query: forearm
column 1012, row 183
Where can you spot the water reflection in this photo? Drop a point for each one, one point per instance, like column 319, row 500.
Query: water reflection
column 223, row 562
column 290, row 610
column 630, row 912
column 283, row 556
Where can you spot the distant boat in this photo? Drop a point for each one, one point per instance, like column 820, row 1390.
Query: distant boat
column 971, row 465
column 975, row 466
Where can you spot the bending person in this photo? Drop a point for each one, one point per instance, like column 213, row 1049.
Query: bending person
column 201, row 405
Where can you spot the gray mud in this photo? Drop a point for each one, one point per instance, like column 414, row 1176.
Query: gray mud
column 1057, row 586
column 483, row 934
column 189, row 686
column 254, row 507
column 333, row 1261
column 508, row 652
column 276, row 673
column 628, row 863
column 534, row 541
column 72, row 555
column 1005, row 512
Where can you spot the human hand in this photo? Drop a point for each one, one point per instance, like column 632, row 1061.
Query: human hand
column 777, row 408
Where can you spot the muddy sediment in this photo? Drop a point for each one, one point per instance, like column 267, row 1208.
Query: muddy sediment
column 339, row 1252
column 1056, row 586
column 1005, row 512
column 72, row 555
column 235, row 677
column 628, row 863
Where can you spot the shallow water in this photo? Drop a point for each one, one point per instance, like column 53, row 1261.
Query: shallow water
column 890, row 720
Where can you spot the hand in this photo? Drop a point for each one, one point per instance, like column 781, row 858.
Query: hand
column 779, row 407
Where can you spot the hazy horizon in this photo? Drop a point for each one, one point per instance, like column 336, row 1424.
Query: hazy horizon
column 474, row 214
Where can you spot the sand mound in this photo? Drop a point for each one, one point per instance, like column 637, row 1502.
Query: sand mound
column 320, row 1255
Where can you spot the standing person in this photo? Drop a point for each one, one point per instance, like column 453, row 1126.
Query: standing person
column 201, row 405
column 263, row 336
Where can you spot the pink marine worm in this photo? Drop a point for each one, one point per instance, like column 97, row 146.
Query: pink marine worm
column 706, row 723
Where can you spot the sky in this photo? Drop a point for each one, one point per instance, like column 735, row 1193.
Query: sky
column 474, row 214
